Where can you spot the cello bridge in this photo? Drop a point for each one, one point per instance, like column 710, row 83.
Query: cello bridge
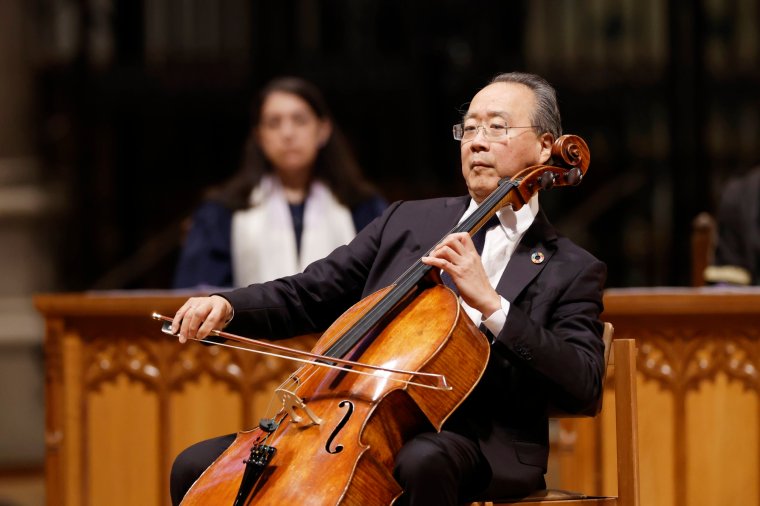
column 291, row 402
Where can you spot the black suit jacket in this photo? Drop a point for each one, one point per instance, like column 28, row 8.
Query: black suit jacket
column 550, row 351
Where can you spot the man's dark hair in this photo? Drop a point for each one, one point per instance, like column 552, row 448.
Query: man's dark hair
column 546, row 117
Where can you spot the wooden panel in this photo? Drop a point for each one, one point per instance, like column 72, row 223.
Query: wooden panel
column 70, row 427
column 657, row 440
column 121, row 440
column 723, row 426
column 123, row 399
column 201, row 407
column 698, row 396
column 574, row 455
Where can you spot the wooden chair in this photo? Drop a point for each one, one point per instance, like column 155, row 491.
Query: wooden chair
column 703, row 240
column 623, row 358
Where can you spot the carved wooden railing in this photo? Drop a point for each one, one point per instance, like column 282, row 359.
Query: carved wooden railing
column 699, row 399
column 124, row 399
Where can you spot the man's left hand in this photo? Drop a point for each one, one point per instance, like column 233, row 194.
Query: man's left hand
column 457, row 256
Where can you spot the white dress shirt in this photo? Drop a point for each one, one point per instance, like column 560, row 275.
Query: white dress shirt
column 500, row 243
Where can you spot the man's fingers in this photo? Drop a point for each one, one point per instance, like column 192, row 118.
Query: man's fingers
column 178, row 316
column 190, row 320
column 458, row 244
column 198, row 317
column 206, row 327
column 210, row 322
column 179, row 324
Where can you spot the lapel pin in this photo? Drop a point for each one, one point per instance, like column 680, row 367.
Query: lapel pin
column 537, row 257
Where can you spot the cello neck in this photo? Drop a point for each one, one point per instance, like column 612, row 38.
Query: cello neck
column 410, row 281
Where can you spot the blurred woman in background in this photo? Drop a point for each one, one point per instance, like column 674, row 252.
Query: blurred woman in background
column 298, row 195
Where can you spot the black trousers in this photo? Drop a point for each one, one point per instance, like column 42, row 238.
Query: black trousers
column 435, row 469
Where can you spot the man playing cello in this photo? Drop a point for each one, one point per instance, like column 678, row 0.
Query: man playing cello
column 537, row 295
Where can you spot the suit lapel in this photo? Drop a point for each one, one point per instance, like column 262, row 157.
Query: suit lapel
column 529, row 258
column 453, row 209
column 539, row 239
column 439, row 219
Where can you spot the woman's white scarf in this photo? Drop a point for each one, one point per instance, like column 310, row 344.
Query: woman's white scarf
column 263, row 240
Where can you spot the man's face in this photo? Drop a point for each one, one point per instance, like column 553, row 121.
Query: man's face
column 486, row 162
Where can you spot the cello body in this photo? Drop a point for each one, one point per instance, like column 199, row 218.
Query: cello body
column 347, row 458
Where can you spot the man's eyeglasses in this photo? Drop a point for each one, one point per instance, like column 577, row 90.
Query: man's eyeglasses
column 492, row 132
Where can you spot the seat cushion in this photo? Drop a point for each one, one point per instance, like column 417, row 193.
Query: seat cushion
column 542, row 495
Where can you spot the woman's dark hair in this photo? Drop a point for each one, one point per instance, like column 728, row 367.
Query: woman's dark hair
column 335, row 164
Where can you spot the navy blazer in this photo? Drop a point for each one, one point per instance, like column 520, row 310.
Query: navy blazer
column 206, row 256
column 550, row 351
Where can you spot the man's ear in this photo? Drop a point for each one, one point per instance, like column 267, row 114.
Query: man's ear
column 325, row 131
column 547, row 141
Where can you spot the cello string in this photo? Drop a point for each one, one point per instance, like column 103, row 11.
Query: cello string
column 271, row 398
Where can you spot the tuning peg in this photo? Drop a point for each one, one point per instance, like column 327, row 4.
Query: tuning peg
column 574, row 176
column 546, row 180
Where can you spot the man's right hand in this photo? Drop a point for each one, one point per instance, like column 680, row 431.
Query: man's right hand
column 200, row 315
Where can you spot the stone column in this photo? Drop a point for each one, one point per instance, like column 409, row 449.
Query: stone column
column 25, row 259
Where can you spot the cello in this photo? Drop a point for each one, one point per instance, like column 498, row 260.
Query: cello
column 336, row 435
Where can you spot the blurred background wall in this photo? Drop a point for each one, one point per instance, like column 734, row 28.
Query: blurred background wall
column 116, row 114
column 137, row 106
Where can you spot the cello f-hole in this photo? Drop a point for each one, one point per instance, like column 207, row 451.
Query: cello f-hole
column 341, row 424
